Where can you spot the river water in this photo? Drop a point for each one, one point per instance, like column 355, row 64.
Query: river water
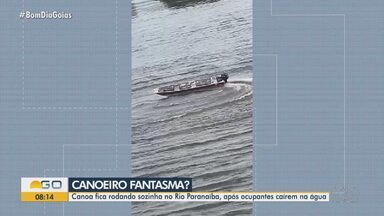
column 205, row 135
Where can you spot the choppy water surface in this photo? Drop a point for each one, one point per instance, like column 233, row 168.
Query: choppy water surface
column 205, row 135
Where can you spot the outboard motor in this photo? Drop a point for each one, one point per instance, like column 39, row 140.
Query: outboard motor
column 224, row 77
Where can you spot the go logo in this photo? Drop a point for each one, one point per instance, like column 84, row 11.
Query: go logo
column 46, row 184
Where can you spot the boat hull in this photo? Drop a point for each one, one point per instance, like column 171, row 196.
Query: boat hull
column 196, row 89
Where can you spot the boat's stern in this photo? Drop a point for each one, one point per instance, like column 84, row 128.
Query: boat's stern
column 222, row 77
